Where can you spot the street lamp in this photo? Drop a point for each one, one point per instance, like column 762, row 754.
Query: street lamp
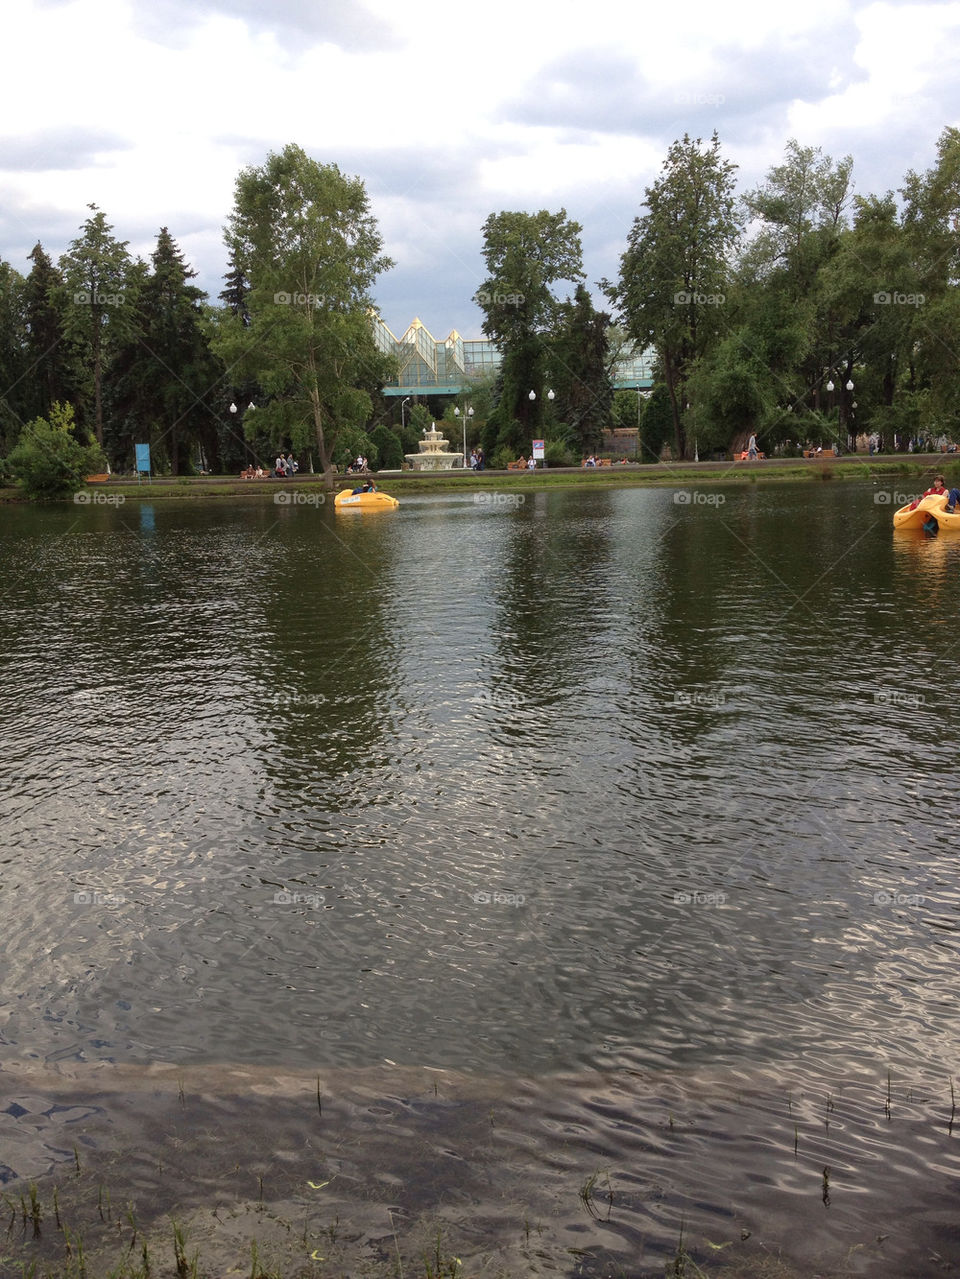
column 465, row 414
column 531, row 396
column 403, row 423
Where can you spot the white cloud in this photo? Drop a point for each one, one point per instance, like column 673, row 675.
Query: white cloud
column 448, row 112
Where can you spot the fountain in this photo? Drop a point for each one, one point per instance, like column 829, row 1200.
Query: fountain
column 433, row 455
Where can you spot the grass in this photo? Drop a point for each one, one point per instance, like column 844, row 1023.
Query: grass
column 92, row 1240
column 667, row 474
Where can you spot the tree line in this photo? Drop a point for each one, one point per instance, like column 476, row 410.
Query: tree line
column 797, row 310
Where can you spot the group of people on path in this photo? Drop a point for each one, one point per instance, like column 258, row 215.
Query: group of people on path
column 476, row 459
column 283, row 469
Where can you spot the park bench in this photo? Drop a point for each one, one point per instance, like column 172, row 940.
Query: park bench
column 516, row 466
column 745, row 456
column 822, row 453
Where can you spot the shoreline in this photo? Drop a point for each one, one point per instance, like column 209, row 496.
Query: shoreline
column 633, row 475
column 436, row 1173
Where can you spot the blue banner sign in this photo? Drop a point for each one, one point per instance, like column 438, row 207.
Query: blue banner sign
column 143, row 457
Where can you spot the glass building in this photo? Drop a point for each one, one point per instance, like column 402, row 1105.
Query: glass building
column 431, row 366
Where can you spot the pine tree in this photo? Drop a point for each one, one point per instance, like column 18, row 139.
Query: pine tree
column 98, row 307
column 167, row 378
column 53, row 370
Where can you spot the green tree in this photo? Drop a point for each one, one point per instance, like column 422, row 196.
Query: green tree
column 526, row 256
column 167, row 376
column 14, row 386
column 801, row 215
column 580, row 372
column 53, row 368
column 98, row 306
column 675, row 272
column 656, row 423
column 626, row 409
column 389, row 448
column 931, row 221
column 304, row 239
column 49, row 461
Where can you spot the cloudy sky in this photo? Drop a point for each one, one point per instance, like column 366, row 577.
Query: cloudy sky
column 448, row 111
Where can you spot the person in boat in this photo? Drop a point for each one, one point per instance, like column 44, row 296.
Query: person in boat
column 936, row 490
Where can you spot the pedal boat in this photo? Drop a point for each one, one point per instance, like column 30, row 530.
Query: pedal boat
column 935, row 505
column 376, row 501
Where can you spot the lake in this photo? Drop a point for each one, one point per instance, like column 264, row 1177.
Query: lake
column 556, row 791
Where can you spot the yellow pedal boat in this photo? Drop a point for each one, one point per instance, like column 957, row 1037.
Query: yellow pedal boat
column 935, row 505
column 376, row 501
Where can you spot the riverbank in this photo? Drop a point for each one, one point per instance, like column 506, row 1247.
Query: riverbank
column 658, row 475
column 418, row 1173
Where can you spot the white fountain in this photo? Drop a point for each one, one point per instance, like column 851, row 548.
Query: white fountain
column 433, row 455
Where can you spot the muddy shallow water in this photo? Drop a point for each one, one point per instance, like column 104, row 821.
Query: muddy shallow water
column 570, row 1174
column 622, row 824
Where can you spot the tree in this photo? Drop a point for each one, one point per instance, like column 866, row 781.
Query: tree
column 675, row 271
column 526, row 255
column 303, row 238
column 580, row 372
column 98, row 306
column 167, row 376
column 656, row 423
column 13, row 363
column 389, row 448
column 51, row 362
column 801, row 211
column 931, row 223
column 49, row 461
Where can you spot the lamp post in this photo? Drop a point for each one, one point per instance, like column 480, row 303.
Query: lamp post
column 403, row 421
column 465, row 414
column 531, row 396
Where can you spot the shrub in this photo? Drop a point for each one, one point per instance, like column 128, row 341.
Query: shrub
column 49, row 462
column 558, row 454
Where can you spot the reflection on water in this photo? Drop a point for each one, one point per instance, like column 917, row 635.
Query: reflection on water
column 599, row 781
